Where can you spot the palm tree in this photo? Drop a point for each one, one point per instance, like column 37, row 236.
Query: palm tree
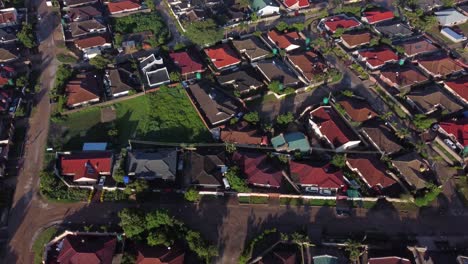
column 354, row 248
column 386, row 116
column 402, row 133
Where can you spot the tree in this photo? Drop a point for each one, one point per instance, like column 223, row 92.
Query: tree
column 132, row 222
column 200, row 247
column 237, row 184
column 448, row 3
column 138, row 186
column 204, row 33
column 284, row 119
column 282, row 26
column 254, row 17
column 26, row 36
column 386, row 41
column 298, row 26
column 402, row 133
column 339, row 161
column 175, row 76
column 150, row 4
column 276, row 87
column 192, row 195
column 100, row 62
column 230, row 147
column 338, row 32
column 400, row 49
column 374, row 42
column 158, row 218
column 159, row 238
column 252, row 117
column 386, row 116
column 119, row 174
column 422, row 122
column 22, row 81
column 347, row 93
column 62, row 75
column 243, row 3
column 354, row 250
column 113, row 132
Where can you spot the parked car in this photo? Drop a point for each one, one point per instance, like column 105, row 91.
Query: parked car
column 102, row 181
column 311, row 189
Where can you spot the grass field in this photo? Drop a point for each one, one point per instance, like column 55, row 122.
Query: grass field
column 166, row 116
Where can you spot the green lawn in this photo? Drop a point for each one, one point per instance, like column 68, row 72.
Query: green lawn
column 41, row 241
column 166, row 116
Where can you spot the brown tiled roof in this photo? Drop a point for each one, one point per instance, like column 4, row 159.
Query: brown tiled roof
column 85, row 27
column 309, row 63
column 83, row 88
column 241, row 134
column 6, row 55
column 440, row 65
column 414, row 169
column 90, row 42
column 356, row 39
column 122, row 6
column 382, row 136
column 417, row 46
column 371, row 169
column 358, row 110
column 87, row 249
column 160, row 254
column 428, row 97
column 84, row 12
column 403, row 76
column 7, row 17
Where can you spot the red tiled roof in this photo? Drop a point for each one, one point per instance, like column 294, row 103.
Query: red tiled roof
column 333, row 23
column 458, row 128
column 258, row 170
column 284, row 40
column 377, row 16
column 90, row 42
column 186, row 62
column 296, row 3
column 389, row 260
column 86, row 164
column 122, row 6
column 459, row 86
column 83, row 89
column 160, row 254
column 81, row 249
column 319, row 176
column 331, row 126
column 7, row 17
column 222, row 56
column 378, row 57
column 372, row 170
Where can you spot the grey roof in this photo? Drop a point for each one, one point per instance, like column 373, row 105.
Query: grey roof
column 428, row 97
column 252, row 47
column 84, row 12
column 81, row 28
column 450, row 16
column 120, row 80
column 414, row 169
column 382, row 136
column 161, row 164
column 394, row 29
column 157, row 77
column 276, row 70
column 5, row 36
column 242, row 80
column 203, row 170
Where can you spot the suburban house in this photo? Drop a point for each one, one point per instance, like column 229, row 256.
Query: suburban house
column 309, row 64
column 152, row 165
column 354, row 40
column 8, row 17
column 86, row 167
column 376, row 16
column 213, row 105
column 458, row 87
column 450, row 17
column 75, row 3
column 119, row 82
column 287, row 41
column 388, row 260
column 155, row 71
column 264, row 7
column 326, row 123
column 83, row 28
column 192, row 15
column 296, row 4
column 316, row 177
column 252, row 47
column 358, row 110
column 241, row 81
column 276, row 70
column 188, row 62
column 381, row 136
column 393, row 29
column 439, row 66
column 402, row 78
column 82, row 13
column 205, row 171
column 452, row 35
column 258, row 169
column 414, row 170
column 377, row 57
column 456, row 130
column 430, row 98
column 418, row 46
column 159, row 254
column 84, row 89
column 7, row 56
column 371, row 170
column 222, row 56
column 331, row 24
column 84, row 248
column 92, row 46
column 293, row 141
column 242, row 133
column 123, row 6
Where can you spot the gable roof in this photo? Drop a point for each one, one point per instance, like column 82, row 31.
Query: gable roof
column 87, row 165
column 413, row 168
column 285, row 39
column 356, row 38
column 80, row 28
column 89, row 249
column 6, row 55
column 84, row 12
column 78, row 2
column 318, row 175
column 378, row 56
column 458, row 128
column 401, row 77
column 160, row 254
column 83, row 88
column 203, row 169
column 216, row 106
column 309, row 64
column 382, row 136
column 358, row 110
column 296, row 3
column 389, row 260
column 341, row 21
column 241, row 133
column 371, row 170
column 252, row 47
column 120, row 80
column 222, row 56
column 258, row 169
column 450, row 16
column 376, row 16
column 418, row 46
column 439, row 65
column 260, row 4
column 393, row 29
column 91, row 42
column 428, row 97
column 187, row 62
column 291, row 141
column 459, row 86
column 331, row 126
column 241, row 80
column 276, row 70
column 122, row 6
column 159, row 164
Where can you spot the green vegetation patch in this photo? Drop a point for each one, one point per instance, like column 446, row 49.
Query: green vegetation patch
column 140, row 22
column 40, row 242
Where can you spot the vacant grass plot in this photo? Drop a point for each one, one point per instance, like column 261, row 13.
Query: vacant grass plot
column 165, row 116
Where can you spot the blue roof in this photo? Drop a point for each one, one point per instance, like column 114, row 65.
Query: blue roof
column 94, row 146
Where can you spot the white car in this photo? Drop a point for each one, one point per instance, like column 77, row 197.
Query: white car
column 450, row 143
column 311, row 189
column 102, row 181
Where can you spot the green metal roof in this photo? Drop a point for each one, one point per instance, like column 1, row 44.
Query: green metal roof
column 325, row 259
column 297, row 140
column 353, row 193
column 278, row 141
column 259, row 4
